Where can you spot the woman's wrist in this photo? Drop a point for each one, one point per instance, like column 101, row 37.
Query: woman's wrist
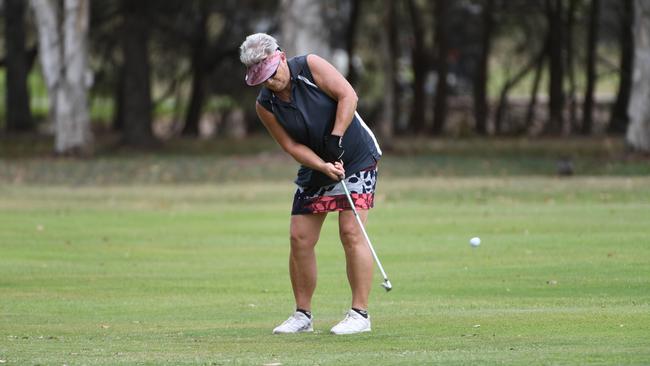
column 322, row 166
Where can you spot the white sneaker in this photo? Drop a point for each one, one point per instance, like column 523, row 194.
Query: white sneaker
column 353, row 323
column 297, row 323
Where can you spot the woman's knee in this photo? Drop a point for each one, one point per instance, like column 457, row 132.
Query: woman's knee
column 350, row 234
column 302, row 240
column 305, row 230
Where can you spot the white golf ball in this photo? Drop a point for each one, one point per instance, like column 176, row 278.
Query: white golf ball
column 475, row 241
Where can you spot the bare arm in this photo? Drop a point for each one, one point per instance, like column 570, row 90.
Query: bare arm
column 301, row 153
column 334, row 84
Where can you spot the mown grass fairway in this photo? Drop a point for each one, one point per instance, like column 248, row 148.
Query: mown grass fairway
column 197, row 274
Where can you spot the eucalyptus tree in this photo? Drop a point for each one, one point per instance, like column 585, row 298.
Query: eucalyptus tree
column 135, row 34
column 304, row 28
column 63, row 48
column 619, row 117
column 419, row 66
column 18, row 115
column 389, row 52
column 592, row 43
column 441, row 10
column 638, row 132
column 481, row 105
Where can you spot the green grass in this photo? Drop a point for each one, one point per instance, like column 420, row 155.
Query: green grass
column 196, row 274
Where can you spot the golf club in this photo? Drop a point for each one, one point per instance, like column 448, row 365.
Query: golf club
column 386, row 285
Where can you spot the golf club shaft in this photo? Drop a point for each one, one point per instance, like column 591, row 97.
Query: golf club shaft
column 363, row 230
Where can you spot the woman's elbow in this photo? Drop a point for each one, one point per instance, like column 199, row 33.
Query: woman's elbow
column 290, row 149
column 354, row 99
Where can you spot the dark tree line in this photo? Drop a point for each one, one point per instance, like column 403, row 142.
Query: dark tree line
column 556, row 40
column 431, row 56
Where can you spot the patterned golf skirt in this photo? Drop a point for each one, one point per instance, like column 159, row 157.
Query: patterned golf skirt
column 332, row 197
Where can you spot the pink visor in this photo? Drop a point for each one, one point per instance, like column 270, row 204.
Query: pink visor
column 261, row 71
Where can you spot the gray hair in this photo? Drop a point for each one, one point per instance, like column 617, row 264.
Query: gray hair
column 256, row 48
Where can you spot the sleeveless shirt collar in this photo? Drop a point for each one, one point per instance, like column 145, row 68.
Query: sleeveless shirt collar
column 295, row 69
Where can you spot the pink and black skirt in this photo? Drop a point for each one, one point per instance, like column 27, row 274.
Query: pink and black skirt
column 332, row 197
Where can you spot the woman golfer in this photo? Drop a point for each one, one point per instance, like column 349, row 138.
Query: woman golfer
column 310, row 110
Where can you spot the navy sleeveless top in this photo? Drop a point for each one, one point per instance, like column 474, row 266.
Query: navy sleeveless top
column 310, row 116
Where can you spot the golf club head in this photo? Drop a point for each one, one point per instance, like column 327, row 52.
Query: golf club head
column 386, row 285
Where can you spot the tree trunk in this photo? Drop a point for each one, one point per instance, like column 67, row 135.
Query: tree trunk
column 389, row 45
column 619, row 117
column 64, row 57
column 18, row 116
column 197, row 96
column 441, row 50
column 49, row 40
column 419, row 61
column 570, row 65
column 592, row 43
column 503, row 96
column 481, row 110
column 394, row 51
column 556, row 67
column 638, row 132
column 137, row 85
column 303, row 28
column 350, row 43
column 118, row 111
column 75, row 53
column 532, row 105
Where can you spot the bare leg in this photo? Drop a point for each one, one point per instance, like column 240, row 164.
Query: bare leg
column 358, row 257
column 305, row 230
